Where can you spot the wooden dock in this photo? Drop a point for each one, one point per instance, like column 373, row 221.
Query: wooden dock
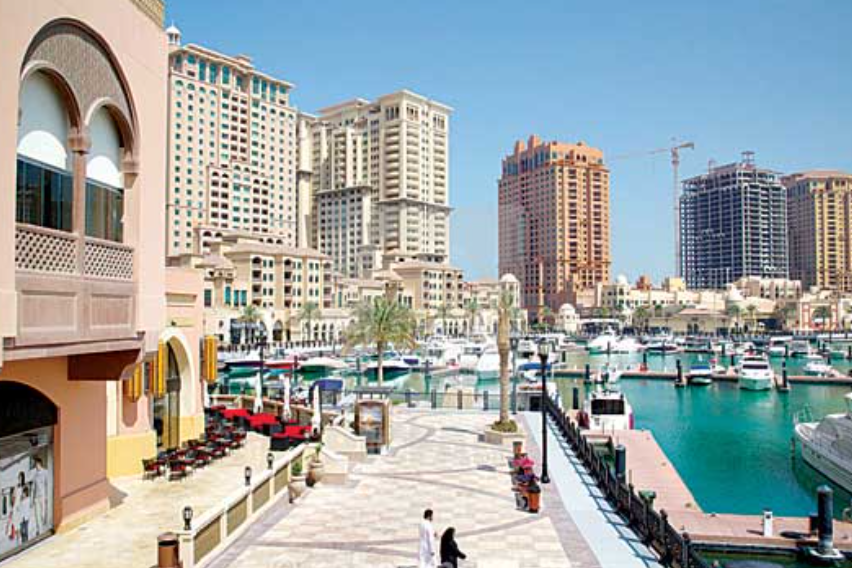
column 649, row 468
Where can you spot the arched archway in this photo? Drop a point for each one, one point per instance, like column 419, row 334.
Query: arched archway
column 277, row 331
column 27, row 420
column 178, row 402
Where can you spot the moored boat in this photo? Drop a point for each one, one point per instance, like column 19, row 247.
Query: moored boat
column 827, row 445
column 606, row 410
column 488, row 366
column 818, row 368
column 755, row 373
column 391, row 369
column 700, row 374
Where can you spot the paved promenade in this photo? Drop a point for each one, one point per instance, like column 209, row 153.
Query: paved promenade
column 612, row 543
column 437, row 462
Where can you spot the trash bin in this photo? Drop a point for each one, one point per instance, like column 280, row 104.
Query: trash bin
column 168, row 551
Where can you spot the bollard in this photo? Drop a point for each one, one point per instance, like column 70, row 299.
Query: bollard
column 620, row 463
column 588, row 373
column 767, row 523
column 485, row 401
column 168, row 551
column 434, row 399
column 408, row 398
column 575, row 398
column 679, row 372
column 459, row 399
column 825, row 520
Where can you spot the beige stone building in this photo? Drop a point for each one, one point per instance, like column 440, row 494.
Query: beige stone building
column 554, row 220
column 93, row 375
column 819, row 226
column 232, row 151
column 394, row 150
column 242, row 269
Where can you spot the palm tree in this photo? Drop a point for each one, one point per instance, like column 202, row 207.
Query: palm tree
column 308, row 313
column 472, row 308
column 751, row 310
column 381, row 322
column 640, row 317
column 442, row 313
column 250, row 316
column 545, row 314
column 516, row 317
column 822, row 313
column 733, row 311
column 505, row 304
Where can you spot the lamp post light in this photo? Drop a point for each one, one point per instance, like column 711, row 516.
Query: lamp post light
column 187, row 518
column 247, row 474
column 514, row 340
column 544, row 355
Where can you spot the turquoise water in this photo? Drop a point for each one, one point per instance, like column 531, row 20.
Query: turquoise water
column 795, row 366
column 733, row 447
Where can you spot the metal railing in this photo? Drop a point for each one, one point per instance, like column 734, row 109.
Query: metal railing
column 674, row 549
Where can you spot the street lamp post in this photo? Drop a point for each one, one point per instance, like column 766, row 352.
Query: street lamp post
column 513, row 345
column 544, row 355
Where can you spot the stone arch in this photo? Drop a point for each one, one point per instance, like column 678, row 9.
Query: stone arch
column 187, row 368
column 24, row 407
column 278, row 331
column 77, row 53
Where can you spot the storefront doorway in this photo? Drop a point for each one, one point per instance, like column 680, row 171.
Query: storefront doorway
column 167, row 407
column 27, row 419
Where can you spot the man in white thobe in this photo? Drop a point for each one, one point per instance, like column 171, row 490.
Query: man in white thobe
column 427, row 558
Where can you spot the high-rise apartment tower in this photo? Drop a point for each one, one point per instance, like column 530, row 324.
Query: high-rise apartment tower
column 554, row 220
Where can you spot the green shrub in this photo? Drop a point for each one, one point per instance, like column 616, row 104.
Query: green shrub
column 507, row 427
column 296, row 468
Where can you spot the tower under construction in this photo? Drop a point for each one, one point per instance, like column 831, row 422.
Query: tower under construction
column 733, row 224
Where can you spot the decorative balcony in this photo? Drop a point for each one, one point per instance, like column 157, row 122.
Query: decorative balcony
column 72, row 289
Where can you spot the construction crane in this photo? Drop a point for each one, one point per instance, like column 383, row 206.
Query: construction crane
column 674, row 152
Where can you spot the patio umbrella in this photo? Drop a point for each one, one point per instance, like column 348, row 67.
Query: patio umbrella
column 258, row 393
column 286, row 410
column 316, row 418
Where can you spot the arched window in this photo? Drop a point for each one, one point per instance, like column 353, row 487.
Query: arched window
column 104, row 179
column 44, row 181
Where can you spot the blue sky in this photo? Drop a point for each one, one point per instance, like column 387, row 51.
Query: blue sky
column 770, row 76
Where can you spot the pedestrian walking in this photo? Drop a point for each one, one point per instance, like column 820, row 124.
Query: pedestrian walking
column 428, row 537
column 450, row 552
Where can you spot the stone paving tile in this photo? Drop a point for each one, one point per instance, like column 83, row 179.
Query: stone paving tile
column 436, row 461
column 126, row 535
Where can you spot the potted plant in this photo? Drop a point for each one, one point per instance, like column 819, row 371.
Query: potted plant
column 297, row 480
column 533, row 495
column 317, row 469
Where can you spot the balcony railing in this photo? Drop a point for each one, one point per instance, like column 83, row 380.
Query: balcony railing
column 48, row 251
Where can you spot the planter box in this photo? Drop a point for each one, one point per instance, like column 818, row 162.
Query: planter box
column 503, row 438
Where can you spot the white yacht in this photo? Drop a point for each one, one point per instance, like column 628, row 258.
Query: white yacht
column 605, row 411
column 819, row 368
column 628, row 345
column 469, row 357
column 604, row 343
column 801, row 349
column 755, row 373
column 827, row 445
column 778, row 346
column 488, row 366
